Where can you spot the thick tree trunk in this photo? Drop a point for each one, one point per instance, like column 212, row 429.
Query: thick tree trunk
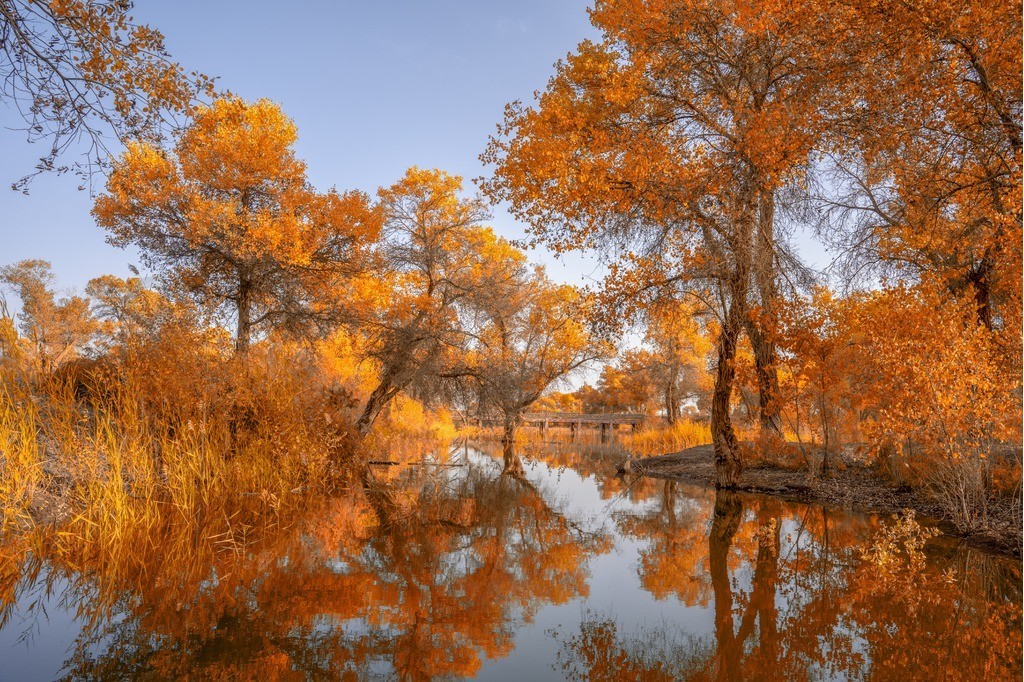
column 728, row 465
column 513, row 464
column 765, row 354
column 727, row 515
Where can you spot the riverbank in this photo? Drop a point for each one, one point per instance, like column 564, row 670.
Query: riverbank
column 854, row 487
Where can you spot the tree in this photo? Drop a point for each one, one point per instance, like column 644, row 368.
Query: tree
column 129, row 311
column 671, row 139
column 679, row 349
column 528, row 339
column 436, row 256
column 228, row 219
column 82, row 69
column 624, row 389
column 819, row 340
column 590, row 399
column 928, row 162
column 56, row 329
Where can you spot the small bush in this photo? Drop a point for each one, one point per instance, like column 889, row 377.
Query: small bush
column 959, row 485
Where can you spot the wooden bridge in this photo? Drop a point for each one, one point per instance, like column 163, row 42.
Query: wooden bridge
column 577, row 420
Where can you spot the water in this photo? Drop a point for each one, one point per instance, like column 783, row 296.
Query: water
column 456, row 571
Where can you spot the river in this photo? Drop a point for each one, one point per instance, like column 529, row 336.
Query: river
column 453, row 570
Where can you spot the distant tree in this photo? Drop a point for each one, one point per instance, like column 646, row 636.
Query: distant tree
column 436, row 256
column 82, row 70
column 530, row 338
column 129, row 312
column 228, row 219
column 558, row 401
column 679, row 350
column 821, row 338
column 55, row 330
column 624, row 389
column 590, row 399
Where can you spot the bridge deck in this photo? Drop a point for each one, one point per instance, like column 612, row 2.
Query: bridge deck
column 585, row 417
column 575, row 419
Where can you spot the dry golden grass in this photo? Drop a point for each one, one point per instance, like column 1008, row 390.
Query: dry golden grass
column 662, row 439
column 21, row 467
column 101, row 457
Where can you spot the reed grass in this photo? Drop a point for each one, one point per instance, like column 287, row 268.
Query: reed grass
column 665, row 438
column 118, row 457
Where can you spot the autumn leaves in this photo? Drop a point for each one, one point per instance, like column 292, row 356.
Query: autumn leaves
column 228, row 220
column 689, row 142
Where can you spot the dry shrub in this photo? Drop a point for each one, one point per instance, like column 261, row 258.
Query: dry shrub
column 958, row 484
column 770, row 450
column 662, row 439
column 971, row 486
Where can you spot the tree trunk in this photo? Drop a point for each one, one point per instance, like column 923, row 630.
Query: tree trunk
column 765, row 355
column 728, row 465
column 727, row 515
column 978, row 278
column 513, row 464
column 671, row 410
column 378, row 400
column 243, row 332
column 767, row 378
column 826, row 431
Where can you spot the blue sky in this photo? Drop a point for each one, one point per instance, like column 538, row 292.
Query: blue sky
column 374, row 87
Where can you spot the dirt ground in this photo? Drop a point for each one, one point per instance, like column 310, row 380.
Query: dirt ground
column 855, row 487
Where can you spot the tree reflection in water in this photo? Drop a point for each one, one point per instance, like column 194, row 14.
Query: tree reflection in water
column 797, row 595
column 431, row 572
column 420, row 578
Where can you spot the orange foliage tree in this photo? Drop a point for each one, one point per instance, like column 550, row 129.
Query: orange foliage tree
column 54, row 329
column 228, row 219
column 671, row 138
column 623, row 389
column 530, row 337
column 820, row 358
column 436, row 256
column 679, row 349
column 131, row 313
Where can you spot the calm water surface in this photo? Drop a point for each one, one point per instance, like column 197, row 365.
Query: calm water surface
column 458, row 572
